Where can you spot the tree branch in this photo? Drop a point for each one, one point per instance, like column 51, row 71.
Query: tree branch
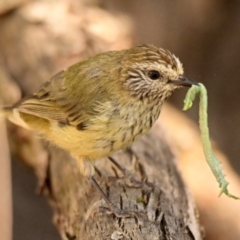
column 165, row 212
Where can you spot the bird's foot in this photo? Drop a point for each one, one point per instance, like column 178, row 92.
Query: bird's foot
column 130, row 180
column 119, row 213
column 112, row 208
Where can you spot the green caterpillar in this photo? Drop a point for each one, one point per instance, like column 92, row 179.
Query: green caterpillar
column 212, row 161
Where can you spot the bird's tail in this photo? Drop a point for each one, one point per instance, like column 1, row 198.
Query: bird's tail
column 13, row 116
column 5, row 112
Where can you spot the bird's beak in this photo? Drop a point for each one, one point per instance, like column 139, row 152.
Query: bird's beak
column 183, row 82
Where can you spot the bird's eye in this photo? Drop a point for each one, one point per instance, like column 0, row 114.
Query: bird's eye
column 153, row 74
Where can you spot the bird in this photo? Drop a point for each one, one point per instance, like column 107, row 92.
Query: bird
column 101, row 104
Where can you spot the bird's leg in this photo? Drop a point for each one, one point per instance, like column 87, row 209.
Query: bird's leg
column 112, row 208
column 131, row 180
column 87, row 169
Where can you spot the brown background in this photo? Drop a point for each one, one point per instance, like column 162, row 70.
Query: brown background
column 205, row 35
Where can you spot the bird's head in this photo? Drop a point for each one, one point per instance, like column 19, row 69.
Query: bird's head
column 153, row 73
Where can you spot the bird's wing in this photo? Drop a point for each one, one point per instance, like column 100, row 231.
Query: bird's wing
column 78, row 94
column 54, row 102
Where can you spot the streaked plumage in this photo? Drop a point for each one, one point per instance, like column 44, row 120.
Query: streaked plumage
column 102, row 104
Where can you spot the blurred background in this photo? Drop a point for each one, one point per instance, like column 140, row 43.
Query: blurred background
column 204, row 34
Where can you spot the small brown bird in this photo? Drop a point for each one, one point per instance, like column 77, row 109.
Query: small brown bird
column 102, row 104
